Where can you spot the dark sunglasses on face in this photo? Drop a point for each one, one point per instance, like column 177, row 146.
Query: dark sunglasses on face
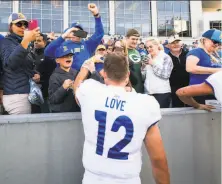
column 101, row 49
column 20, row 24
column 215, row 42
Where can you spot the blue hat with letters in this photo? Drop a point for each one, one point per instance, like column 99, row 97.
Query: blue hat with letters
column 213, row 34
column 63, row 51
column 16, row 17
column 77, row 25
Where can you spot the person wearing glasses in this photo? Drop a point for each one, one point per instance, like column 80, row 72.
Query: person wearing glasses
column 18, row 65
column 201, row 62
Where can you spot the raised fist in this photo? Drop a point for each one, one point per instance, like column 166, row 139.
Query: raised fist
column 67, row 84
column 93, row 8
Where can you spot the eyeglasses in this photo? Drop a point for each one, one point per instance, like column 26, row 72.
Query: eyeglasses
column 101, row 49
column 20, row 24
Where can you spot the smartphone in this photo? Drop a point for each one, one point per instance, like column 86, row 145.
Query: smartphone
column 80, row 33
column 33, row 24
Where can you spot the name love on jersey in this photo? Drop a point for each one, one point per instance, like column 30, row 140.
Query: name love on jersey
column 115, row 103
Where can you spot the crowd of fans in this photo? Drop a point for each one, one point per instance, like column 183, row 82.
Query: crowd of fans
column 158, row 68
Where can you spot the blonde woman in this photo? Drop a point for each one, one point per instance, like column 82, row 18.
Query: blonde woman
column 201, row 63
column 157, row 71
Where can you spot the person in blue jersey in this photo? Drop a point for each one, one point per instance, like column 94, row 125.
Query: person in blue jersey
column 83, row 49
column 201, row 63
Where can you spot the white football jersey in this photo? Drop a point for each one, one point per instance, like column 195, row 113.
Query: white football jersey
column 115, row 124
column 215, row 81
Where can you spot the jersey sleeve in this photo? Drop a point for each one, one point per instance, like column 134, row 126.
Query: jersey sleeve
column 154, row 111
column 87, row 90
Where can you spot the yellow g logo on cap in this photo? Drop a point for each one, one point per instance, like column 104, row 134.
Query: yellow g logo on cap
column 65, row 48
column 21, row 16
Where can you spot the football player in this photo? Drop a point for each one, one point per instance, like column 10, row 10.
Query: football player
column 116, row 123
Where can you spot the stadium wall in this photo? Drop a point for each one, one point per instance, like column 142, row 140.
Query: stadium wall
column 47, row 148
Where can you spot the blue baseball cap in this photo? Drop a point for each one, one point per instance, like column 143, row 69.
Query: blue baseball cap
column 213, row 34
column 63, row 51
column 77, row 25
column 16, row 17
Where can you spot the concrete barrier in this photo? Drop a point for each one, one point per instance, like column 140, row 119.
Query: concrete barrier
column 47, row 148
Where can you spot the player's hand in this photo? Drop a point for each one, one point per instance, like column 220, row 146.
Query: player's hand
column 67, row 84
column 97, row 58
column 205, row 107
column 31, row 35
column 89, row 65
column 36, row 78
column 68, row 31
column 93, row 8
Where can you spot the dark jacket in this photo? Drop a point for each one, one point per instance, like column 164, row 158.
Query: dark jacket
column 44, row 66
column 179, row 76
column 18, row 66
column 1, row 68
column 62, row 100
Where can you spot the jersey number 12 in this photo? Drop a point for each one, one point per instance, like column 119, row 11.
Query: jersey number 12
column 115, row 151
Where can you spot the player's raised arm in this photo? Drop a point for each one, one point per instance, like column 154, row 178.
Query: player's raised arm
column 83, row 74
column 186, row 95
column 155, row 149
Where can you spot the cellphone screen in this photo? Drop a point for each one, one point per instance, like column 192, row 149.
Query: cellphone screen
column 80, row 33
column 33, row 24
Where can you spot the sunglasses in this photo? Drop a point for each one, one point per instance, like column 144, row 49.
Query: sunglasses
column 215, row 42
column 20, row 24
column 101, row 49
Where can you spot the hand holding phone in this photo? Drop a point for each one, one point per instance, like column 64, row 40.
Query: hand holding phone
column 80, row 33
column 31, row 35
column 33, row 24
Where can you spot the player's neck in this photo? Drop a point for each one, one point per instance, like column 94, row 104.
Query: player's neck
column 112, row 83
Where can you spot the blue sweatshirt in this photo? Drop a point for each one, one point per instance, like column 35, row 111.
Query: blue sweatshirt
column 83, row 50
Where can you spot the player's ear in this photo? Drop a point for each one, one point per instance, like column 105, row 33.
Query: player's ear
column 105, row 75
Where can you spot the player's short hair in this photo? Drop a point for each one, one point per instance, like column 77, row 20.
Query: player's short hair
column 116, row 66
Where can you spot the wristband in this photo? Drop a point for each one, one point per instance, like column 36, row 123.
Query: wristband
column 96, row 15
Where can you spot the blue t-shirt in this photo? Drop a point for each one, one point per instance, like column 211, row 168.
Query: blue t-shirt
column 205, row 61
